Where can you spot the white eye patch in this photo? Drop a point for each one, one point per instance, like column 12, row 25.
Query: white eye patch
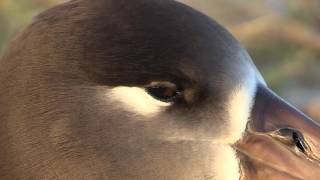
column 137, row 100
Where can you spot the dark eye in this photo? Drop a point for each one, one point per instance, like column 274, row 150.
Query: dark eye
column 165, row 92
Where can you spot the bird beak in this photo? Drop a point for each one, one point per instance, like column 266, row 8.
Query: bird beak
column 280, row 142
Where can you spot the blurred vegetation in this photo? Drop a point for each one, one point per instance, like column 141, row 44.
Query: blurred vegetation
column 282, row 36
column 14, row 14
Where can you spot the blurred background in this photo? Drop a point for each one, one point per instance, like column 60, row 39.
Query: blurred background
column 282, row 37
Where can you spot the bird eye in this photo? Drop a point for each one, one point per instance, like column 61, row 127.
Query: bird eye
column 165, row 92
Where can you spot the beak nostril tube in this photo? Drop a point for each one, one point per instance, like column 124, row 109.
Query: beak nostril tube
column 279, row 137
column 299, row 141
column 292, row 138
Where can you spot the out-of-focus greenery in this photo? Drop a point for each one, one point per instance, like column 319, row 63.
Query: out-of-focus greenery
column 14, row 14
column 282, row 36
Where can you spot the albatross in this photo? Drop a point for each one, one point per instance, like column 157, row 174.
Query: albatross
column 143, row 89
